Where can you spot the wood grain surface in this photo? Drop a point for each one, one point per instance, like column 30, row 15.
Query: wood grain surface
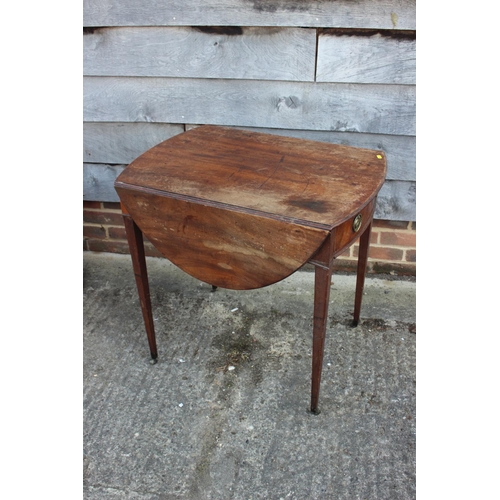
column 341, row 107
column 222, row 247
column 321, row 184
column 199, row 52
column 98, row 181
column 366, row 57
column 121, row 143
column 385, row 14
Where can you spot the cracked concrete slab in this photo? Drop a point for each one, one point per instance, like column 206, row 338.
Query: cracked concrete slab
column 224, row 412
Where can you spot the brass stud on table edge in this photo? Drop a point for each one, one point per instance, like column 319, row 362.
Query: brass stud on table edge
column 356, row 224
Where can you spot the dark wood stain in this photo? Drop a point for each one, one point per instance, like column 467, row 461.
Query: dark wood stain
column 398, row 34
column 220, row 30
column 314, row 205
column 281, row 5
column 91, row 30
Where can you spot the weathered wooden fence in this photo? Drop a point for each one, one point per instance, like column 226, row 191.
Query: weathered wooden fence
column 335, row 71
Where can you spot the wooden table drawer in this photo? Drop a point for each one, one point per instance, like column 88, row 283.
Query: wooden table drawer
column 346, row 233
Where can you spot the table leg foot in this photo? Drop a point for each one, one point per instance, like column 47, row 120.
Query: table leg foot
column 322, row 285
column 214, row 288
column 315, row 411
column 136, row 245
column 364, row 243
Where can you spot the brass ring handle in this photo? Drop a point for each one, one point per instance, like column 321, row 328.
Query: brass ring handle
column 356, row 223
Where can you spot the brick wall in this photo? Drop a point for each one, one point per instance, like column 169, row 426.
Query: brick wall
column 392, row 246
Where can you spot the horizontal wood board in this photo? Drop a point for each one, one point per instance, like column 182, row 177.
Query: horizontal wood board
column 382, row 14
column 197, row 52
column 120, row 143
column 397, row 201
column 378, row 109
column 369, row 57
column 98, row 181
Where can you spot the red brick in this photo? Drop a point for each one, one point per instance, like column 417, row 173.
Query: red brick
column 91, row 204
column 382, row 253
column 345, row 253
column 344, row 265
column 390, row 224
column 411, row 255
column 95, row 245
column 350, row 266
column 110, row 218
column 374, row 235
column 114, row 246
column 111, row 205
column 94, row 232
column 353, row 253
column 117, row 233
column 403, row 269
column 399, row 238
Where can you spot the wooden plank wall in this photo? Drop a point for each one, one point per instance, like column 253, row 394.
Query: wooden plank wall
column 335, row 71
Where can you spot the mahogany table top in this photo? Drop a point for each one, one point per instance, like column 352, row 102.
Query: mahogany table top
column 298, row 180
column 242, row 209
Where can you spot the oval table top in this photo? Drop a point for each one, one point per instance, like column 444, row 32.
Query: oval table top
column 316, row 182
column 241, row 209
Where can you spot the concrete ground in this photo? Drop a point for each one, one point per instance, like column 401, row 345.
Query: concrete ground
column 224, row 412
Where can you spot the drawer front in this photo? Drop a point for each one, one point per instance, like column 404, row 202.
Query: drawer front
column 352, row 229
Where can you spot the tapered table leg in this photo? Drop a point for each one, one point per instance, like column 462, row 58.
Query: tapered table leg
column 364, row 243
column 136, row 245
column 322, row 284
